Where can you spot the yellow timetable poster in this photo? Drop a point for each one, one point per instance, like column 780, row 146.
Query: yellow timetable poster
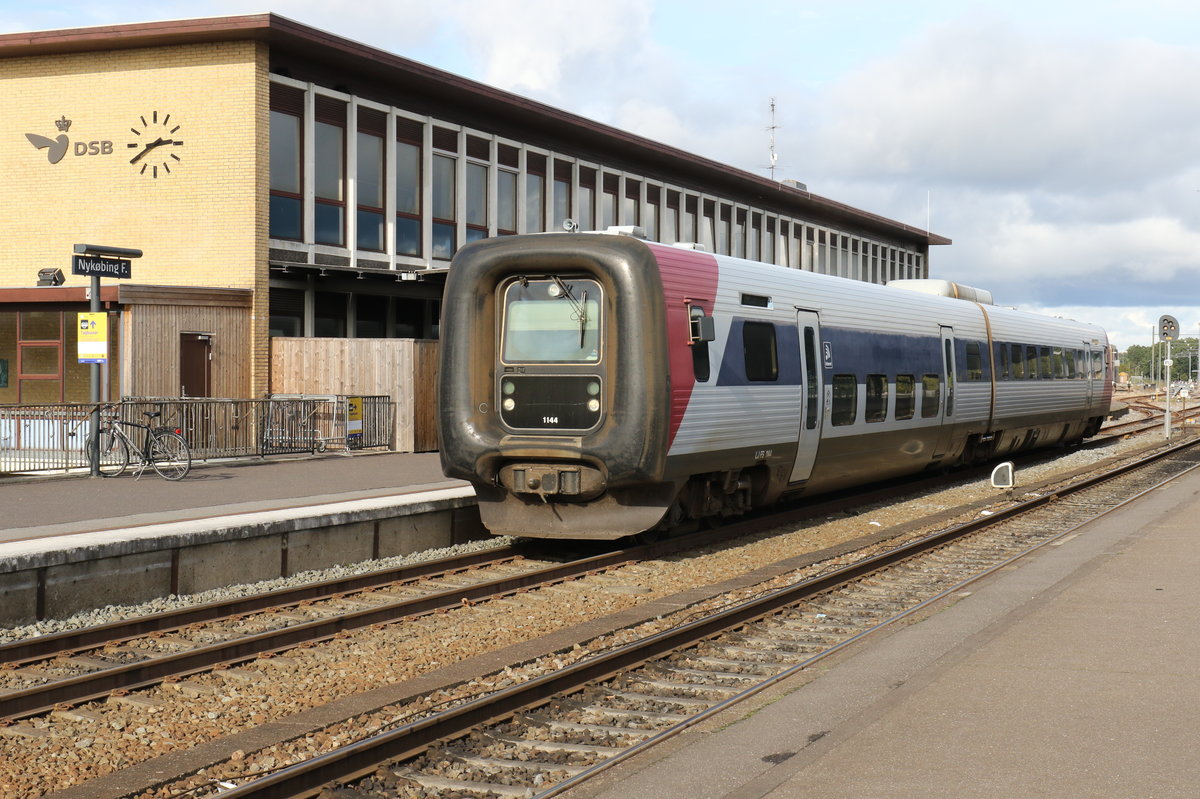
column 93, row 337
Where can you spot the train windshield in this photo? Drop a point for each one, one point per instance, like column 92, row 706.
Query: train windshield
column 552, row 320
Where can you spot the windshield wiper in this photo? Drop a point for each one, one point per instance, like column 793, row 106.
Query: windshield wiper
column 579, row 307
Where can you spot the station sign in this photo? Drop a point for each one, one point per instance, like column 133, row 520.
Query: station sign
column 92, row 329
column 101, row 267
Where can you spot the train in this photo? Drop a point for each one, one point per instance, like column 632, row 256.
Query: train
column 598, row 385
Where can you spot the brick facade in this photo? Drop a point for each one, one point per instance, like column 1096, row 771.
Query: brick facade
column 201, row 221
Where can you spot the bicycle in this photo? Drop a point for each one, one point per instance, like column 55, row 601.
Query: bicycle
column 163, row 449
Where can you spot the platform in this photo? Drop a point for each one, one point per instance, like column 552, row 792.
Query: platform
column 73, row 542
column 1075, row 673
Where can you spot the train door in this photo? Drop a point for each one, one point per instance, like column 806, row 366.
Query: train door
column 809, row 437
column 946, row 415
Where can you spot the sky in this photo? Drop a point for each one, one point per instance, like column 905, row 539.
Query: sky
column 1056, row 143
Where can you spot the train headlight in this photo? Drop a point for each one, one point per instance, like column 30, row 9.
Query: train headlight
column 593, row 388
column 509, row 403
column 508, row 387
column 593, row 405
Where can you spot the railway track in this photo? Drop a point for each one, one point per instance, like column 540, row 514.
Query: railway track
column 567, row 724
column 60, row 670
column 65, row 669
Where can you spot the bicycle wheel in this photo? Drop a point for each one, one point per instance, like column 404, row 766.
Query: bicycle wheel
column 169, row 455
column 114, row 453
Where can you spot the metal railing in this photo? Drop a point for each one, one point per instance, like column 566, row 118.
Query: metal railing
column 51, row 437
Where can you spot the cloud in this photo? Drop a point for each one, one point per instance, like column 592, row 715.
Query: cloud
column 979, row 102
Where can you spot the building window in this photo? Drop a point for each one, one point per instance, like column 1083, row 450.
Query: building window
column 408, row 187
column 287, row 312
column 372, row 127
column 562, row 193
column 329, row 169
column 477, row 201
column 722, row 242
column 630, row 208
column 670, row 219
column 608, row 202
column 506, row 202
column 287, row 186
column 650, row 213
column 587, row 199
column 444, row 199
column 535, row 193
column 687, row 230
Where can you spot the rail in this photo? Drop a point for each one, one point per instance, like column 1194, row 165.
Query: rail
column 50, row 438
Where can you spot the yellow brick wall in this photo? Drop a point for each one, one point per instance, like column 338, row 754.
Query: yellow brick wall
column 202, row 224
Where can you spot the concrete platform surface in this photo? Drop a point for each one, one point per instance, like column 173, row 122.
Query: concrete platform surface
column 62, row 505
column 1075, row 673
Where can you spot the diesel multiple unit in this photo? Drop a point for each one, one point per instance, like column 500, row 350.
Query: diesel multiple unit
column 598, row 386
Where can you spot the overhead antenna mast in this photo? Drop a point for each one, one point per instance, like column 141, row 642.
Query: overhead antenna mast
column 771, row 130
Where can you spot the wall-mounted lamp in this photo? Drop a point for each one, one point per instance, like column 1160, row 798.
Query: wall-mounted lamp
column 408, row 276
column 50, row 277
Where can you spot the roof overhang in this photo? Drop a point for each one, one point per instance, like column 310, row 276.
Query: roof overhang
column 287, row 36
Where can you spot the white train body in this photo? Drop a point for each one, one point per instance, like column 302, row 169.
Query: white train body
column 721, row 384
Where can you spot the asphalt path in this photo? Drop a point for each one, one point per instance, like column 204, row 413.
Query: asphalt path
column 210, row 489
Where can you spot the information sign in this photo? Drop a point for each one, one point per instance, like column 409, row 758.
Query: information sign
column 93, row 337
column 354, row 420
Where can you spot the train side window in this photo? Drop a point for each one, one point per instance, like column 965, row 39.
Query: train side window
column 700, row 332
column 1031, row 363
column 931, row 396
column 1057, row 364
column 1045, row 370
column 1018, row 361
column 810, row 376
column 1069, row 371
column 1097, row 365
column 877, row 398
column 1002, row 361
column 974, row 361
column 845, row 400
column 760, row 351
column 906, row 397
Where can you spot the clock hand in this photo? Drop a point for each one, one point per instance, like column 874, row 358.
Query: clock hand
column 156, row 143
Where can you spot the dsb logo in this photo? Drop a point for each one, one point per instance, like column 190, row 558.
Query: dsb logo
column 93, row 148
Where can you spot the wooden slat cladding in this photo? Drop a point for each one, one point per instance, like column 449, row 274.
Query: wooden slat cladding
column 151, row 336
column 404, row 369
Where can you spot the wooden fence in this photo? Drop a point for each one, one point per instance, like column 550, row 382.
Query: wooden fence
column 404, row 369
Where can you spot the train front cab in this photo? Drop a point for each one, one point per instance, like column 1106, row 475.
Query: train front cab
column 554, row 384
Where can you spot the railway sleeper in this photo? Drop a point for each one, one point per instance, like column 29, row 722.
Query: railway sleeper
column 487, row 789
column 656, row 717
column 494, row 764
column 591, row 729
column 769, row 656
column 751, row 668
column 636, row 697
column 778, row 644
column 704, row 674
column 557, row 747
column 686, row 688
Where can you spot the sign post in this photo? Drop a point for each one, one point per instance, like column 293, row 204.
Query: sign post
column 110, row 262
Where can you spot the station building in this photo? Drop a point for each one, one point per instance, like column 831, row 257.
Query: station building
column 282, row 181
